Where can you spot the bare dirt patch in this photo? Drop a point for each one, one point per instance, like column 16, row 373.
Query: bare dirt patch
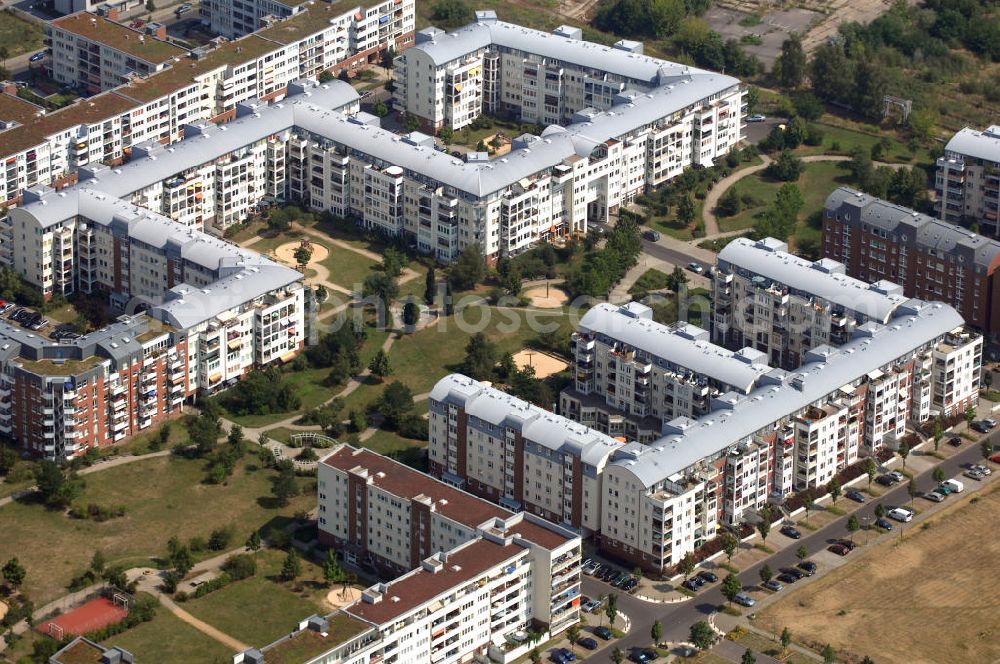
column 552, row 299
column 544, row 365
column 935, row 597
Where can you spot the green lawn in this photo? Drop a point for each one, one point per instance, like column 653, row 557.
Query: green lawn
column 164, row 496
column 18, row 35
column 817, row 181
column 650, row 280
column 347, row 268
column 260, row 609
column 168, row 640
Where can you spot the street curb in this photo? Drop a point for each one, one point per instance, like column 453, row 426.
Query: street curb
column 653, row 600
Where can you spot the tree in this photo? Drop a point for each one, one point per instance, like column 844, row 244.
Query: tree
column 656, row 632
column 292, row 567
column 380, row 109
column 611, row 608
column 986, row 449
column 791, row 63
column 395, row 404
column 411, row 123
column 182, row 561
column 867, row 660
column 828, row 654
column 686, row 210
column 870, row 87
column 729, row 545
column 219, row 538
column 786, row 638
column 379, row 365
column 871, row 468
column 284, row 486
column 617, row 656
column 302, row 254
column 802, row 552
column 748, row 657
column 97, row 562
column 786, row 168
column 764, row 525
column 702, row 635
column 14, row 573
column 686, row 565
column 332, row 571
column 253, row 542
column 938, row 435
column 430, row 286
column 809, row 503
column 853, row 525
column 480, row 357
column 938, row 475
column 535, row 656
column 150, row 6
column 451, row 13
column 57, row 488
column 970, row 414
column 731, row 587
column 326, row 76
column 380, row 289
column 676, row 279
column 729, row 204
column 447, row 135
column 904, row 451
column 834, row 489
column 911, row 489
column 766, row 573
column 411, row 314
column 469, row 269
column 879, row 511
column 573, row 634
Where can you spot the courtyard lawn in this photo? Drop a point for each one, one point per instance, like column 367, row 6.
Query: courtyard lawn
column 347, row 268
column 163, row 496
column 817, row 181
column 260, row 609
column 166, row 639
column 649, row 280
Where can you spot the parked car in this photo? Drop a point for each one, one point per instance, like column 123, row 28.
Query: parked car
column 995, row 458
column 708, row 576
column 795, row 572
column 652, row 236
column 744, row 600
column 696, row 267
column 944, row 489
column 934, row 496
column 773, row 585
column 568, row 655
column 590, row 605
column 37, row 56
column 642, row 655
column 900, row 514
column 955, row 441
column 855, row 495
column 973, row 474
column 630, row 585
column 981, row 426
column 885, row 480
column 990, row 422
column 985, row 470
column 791, row 531
column 183, row 9
column 693, row 584
column 848, row 543
column 884, row 524
column 787, row 578
column 603, row 633
column 757, row 117
column 897, row 476
column 587, row 642
column 620, row 583
column 807, row 566
column 839, row 549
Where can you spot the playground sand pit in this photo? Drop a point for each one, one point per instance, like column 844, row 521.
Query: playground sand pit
column 336, row 599
column 544, row 365
column 555, row 298
column 286, row 253
column 3, row 609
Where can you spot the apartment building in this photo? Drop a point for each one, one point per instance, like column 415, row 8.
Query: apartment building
column 477, row 601
column 784, row 305
column 204, row 84
column 59, row 399
column 632, row 375
column 93, row 53
column 932, row 259
column 967, row 182
column 795, row 430
column 504, row 449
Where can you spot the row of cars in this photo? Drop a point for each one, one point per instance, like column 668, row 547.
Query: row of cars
column 26, row 318
column 608, row 574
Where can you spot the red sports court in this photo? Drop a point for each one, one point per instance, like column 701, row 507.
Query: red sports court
column 95, row 614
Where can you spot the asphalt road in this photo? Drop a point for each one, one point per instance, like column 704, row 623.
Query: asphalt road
column 672, row 256
column 678, row 618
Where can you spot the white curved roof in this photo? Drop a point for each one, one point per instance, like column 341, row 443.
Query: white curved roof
column 824, row 279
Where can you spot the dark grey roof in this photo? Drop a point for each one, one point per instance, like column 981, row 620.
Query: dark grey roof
column 917, row 228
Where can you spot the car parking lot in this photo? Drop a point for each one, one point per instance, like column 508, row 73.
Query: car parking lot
column 610, row 575
column 22, row 316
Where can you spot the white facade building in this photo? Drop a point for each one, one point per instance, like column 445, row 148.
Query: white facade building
column 967, row 182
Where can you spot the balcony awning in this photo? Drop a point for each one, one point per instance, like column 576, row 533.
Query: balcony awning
column 288, row 357
column 234, row 344
column 214, row 377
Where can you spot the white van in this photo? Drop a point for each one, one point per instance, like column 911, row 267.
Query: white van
column 901, row 514
column 956, row 485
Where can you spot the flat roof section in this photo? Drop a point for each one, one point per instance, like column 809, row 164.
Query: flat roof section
column 305, row 644
column 407, row 483
column 313, row 20
column 115, row 35
column 15, row 109
column 421, row 586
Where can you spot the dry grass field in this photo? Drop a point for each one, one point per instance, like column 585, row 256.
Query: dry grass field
column 933, row 598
